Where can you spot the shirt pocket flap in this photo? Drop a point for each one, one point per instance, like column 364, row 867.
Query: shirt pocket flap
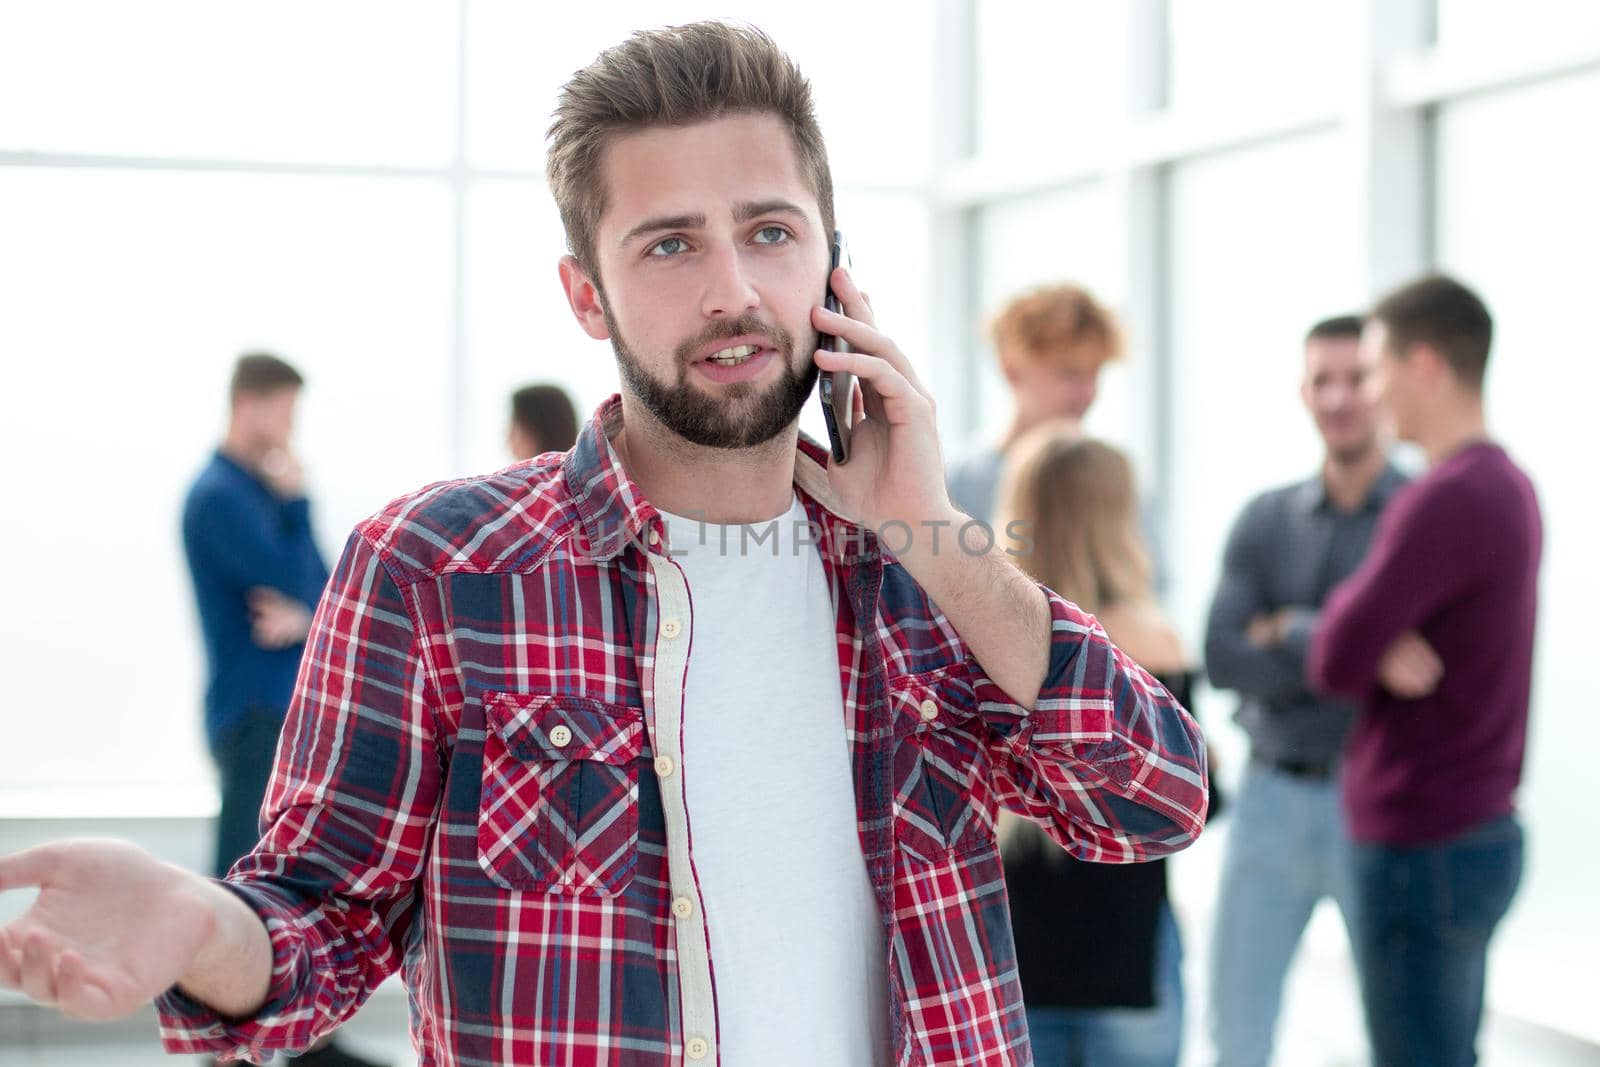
column 560, row 727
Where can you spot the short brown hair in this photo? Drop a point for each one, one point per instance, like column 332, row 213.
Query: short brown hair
column 1338, row 328
column 260, row 373
column 676, row 76
column 1057, row 324
column 1440, row 312
column 545, row 414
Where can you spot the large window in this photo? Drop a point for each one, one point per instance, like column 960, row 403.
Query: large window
column 1263, row 245
column 128, row 293
column 1250, row 56
column 1066, row 235
column 359, row 187
column 1303, row 157
column 1517, row 218
column 357, row 82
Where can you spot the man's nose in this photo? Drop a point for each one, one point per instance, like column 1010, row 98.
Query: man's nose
column 728, row 290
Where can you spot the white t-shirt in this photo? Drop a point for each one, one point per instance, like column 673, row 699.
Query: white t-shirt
column 796, row 948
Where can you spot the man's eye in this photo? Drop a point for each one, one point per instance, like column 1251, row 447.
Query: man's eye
column 771, row 235
column 670, row 246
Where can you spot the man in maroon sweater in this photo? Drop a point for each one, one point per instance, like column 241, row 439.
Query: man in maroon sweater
column 1434, row 634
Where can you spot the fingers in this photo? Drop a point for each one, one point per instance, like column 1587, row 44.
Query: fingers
column 276, row 621
column 864, row 337
column 853, row 300
column 1400, row 677
column 82, row 993
column 30, row 867
column 270, row 639
column 1422, row 662
column 265, row 598
column 901, row 400
column 1411, row 669
column 39, row 955
column 1426, row 656
column 10, row 961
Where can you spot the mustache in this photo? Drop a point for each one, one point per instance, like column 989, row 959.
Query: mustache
column 743, row 326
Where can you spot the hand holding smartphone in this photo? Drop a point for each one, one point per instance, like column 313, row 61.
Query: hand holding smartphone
column 836, row 388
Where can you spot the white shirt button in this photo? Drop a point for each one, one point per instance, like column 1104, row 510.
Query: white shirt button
column 561, row 737
column 683, row 907
column 671, row 628
column 655, row 538
column 697, row 1048
column 929, row 710
column 664, row 766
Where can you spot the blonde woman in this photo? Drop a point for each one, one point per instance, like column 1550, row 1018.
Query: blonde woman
column 1078, row 500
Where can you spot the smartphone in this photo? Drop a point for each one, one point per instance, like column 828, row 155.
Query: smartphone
column 835, row 388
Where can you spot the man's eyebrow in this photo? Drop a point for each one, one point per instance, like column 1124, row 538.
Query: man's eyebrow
column 664, row 222
column 744, row 211
column 749, row 209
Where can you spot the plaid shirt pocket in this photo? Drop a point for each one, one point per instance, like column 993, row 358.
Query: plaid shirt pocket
column 559, row 809
column 943, row 804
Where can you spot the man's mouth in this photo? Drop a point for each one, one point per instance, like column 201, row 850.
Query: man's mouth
column 732, row 357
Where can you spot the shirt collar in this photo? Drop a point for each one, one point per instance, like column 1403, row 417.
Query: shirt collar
column 1312, row 496
column 613, row 510
column 239, row 468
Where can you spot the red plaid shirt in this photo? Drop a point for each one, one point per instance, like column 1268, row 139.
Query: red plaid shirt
column 479, row 785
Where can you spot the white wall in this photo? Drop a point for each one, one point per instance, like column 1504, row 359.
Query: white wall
column 1518, row 218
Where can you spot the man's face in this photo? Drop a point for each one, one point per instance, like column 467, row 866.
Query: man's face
column 1046, row 389
column 522, row 444
column 268, row 418
column 1335, row 392
column 711, row 254
column 1390, row 380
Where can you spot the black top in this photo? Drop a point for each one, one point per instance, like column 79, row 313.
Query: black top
column 1085, row 932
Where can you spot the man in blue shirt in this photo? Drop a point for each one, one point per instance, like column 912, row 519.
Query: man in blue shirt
column 257, row 575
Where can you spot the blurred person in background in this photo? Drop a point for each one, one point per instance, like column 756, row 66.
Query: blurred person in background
column 1051, row 343
column 542, row 420
column 1098, row 948
column 520, row 689
column 1434, row 634
column 1287, row 848
column 257, row 575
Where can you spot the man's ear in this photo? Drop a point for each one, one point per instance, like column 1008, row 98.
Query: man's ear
column 1008, row 371
column 1430, row 360
column 583, row 296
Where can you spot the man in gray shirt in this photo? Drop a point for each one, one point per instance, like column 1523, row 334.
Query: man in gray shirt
column 1287, row 848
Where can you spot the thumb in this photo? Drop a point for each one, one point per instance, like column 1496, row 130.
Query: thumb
column 30, row 867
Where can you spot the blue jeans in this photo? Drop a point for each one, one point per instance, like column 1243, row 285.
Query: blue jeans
column 1422, row 940
column 1286, row 850
column 1119, row 1037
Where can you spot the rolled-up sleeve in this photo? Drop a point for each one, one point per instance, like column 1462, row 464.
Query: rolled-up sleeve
column 1106, row 760
column 347, row 822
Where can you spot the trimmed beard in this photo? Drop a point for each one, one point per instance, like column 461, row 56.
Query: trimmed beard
column 744, row 415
